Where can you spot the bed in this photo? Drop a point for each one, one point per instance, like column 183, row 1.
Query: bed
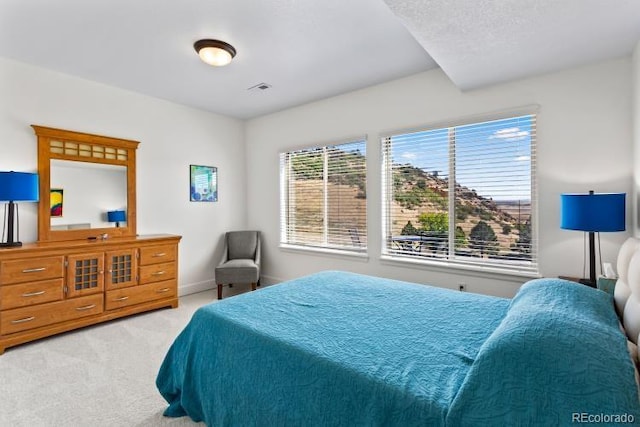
column 337, row 348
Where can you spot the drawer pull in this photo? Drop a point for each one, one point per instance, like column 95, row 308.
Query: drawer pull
column 34, row 270
column 33, row 294
column 158, row 255
column 26, row 319
column 121, row 298
column 161, row 291
column 158, row 273
column 86, row 307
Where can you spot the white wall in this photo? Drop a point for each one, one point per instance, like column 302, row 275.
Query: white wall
column 171, row 138
column 585, row 138
column 584, row 143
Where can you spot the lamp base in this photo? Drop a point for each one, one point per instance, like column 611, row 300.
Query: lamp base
column 10, row 244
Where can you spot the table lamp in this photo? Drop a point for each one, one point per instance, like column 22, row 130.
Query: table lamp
column 593, row 213
column 117, row 217
column 16, row 187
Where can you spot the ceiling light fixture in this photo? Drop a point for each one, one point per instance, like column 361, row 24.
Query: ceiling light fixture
column 215, row 52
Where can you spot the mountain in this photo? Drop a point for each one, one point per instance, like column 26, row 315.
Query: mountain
column 484, row 227
column 420, row 206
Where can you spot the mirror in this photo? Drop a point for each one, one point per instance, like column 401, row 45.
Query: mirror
column 85, row 192
column 82, row 177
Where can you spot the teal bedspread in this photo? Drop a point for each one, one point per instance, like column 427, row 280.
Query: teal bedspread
column 341, row 349
column 558, row 356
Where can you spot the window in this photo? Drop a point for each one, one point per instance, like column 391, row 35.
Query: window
column 323, row 197
column 463, row 194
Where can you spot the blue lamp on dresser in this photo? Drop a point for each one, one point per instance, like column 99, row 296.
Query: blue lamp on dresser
column 15, row 187
column 117, row 217
column 593, row 213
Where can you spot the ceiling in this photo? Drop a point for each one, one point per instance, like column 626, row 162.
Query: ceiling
column 483, row 42
column 308, row 50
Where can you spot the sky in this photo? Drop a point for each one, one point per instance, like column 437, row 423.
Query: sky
column 493, row 158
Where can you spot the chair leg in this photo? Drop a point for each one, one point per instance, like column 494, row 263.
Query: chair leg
column 231, row 285
column 258, row 282
column 219, row 290
column 253, row 286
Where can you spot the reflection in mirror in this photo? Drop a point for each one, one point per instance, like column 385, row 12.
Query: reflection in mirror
column 89, row 191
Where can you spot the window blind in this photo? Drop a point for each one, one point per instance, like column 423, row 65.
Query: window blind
column 323, row 197
column 463, row 194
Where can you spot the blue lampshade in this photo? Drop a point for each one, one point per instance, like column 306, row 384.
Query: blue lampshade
column 18, row 187
column 593, row 212
column 116, row 216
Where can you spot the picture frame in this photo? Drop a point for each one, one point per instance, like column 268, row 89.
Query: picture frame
column 203, row 183
column 57, row 202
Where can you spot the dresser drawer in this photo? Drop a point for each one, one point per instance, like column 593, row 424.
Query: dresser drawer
column 25, row 294
column 28, row 270
column 138, row 294
column 157, row 272
column 157, row 254
column 21, row 319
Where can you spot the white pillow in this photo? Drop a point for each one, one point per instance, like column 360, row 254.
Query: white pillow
column 631, row 317
column 627, row 250
column 621, row 296
column 631, row 309
column 633, row 274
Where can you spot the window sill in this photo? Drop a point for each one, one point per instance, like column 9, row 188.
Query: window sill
column 337, row 253
column 446, row 267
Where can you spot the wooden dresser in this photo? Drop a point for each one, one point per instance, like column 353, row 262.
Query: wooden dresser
column 53, row 287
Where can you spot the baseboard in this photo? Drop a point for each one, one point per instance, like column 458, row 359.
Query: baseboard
column 193, row 288
column 270, row 280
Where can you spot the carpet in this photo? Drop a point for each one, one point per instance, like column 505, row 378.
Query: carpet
column 102, row 375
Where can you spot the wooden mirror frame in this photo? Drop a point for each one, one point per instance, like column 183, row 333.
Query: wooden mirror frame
column 83, row 147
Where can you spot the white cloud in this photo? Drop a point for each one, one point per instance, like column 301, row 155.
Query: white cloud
column 510, row 134
column 523, row 158
column 409, row 156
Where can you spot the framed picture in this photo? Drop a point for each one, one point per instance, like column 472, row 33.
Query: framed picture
column 204, row 183
column 57, row 199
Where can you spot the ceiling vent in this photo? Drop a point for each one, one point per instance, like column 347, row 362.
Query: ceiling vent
column 259, row 87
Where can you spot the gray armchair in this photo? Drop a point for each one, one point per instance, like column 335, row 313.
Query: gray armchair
column 240, row 261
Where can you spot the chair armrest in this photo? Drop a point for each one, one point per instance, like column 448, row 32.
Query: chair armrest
column 258, row 254
column 225, row 253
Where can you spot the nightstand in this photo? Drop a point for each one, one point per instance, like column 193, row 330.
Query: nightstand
column 607, row 284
